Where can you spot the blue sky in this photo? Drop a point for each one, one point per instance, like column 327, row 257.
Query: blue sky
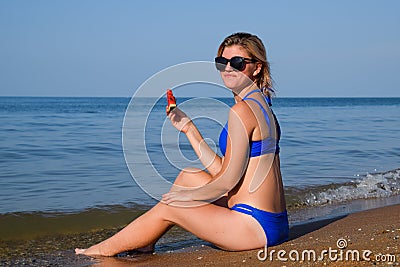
column 109, row 48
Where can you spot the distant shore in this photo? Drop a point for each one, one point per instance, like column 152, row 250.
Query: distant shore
column 367, row 237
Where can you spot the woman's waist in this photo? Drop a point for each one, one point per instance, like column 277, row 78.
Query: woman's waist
column 260, row 205
column 257, row 188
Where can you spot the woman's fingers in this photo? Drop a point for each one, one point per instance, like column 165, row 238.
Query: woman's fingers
column 167, row 198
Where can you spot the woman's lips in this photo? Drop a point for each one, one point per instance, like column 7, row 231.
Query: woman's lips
column 229, row 75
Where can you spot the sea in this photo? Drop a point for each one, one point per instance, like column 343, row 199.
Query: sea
column 63, row 160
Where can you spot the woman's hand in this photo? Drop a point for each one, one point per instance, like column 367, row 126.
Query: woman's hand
column 174, row 196
column 180, row 120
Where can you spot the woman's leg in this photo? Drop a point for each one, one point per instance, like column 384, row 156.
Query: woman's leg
column 142, row 232
column 225, row 228
column 189, row 177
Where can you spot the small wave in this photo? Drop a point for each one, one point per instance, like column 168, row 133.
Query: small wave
column 376, row 185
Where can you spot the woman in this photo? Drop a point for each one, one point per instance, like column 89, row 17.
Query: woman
column 238, row 203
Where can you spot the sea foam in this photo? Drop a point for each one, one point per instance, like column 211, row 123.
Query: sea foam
column 374, row 185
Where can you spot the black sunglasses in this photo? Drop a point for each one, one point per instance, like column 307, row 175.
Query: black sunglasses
column 238, row 63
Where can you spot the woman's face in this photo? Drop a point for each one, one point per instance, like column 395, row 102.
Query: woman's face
column 233, row 79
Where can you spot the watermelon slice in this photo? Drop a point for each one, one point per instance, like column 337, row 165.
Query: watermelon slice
column 171, row 101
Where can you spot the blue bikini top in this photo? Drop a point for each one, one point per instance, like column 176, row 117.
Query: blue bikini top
column 260, row 147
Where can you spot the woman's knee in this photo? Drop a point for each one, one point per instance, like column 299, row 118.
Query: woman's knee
column 191, row 177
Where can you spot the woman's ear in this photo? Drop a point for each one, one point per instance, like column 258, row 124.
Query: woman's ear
column 257, row 71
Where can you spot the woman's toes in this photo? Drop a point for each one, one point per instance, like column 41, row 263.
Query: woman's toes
column 80, row 251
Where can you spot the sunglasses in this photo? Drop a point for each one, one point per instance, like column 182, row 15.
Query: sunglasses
column 238, row 63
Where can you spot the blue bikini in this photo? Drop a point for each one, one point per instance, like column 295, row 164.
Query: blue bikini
column 275, row 225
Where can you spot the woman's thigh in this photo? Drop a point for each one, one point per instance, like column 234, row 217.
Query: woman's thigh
column 221, row 226
column 192, row 177
column 214, row 223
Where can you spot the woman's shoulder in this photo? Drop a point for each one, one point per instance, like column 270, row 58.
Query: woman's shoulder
column 243, row 111
column 240, row 107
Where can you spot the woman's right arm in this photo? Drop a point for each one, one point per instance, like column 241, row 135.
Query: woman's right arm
column 211, row 161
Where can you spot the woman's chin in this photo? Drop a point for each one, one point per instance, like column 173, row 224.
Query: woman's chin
column 236, row 86
column 233, row 86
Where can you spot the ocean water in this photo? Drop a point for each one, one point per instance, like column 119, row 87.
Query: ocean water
column 65, row 155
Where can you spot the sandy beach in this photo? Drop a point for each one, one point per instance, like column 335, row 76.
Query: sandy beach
column 364, row 238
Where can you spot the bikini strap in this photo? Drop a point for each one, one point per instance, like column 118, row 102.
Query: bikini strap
column 251, row 92
column 258, row 102
column 267, row 98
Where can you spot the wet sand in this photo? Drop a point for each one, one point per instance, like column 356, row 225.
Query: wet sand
column 376, row 230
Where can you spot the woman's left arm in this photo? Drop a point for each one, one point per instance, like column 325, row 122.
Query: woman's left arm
column 234, row 164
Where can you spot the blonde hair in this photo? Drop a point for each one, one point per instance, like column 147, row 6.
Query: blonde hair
column 256, row 50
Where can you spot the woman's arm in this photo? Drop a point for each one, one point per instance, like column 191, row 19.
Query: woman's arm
column 211, row 161
column 233, row 166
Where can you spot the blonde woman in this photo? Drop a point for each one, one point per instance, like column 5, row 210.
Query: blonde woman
column 238, row 203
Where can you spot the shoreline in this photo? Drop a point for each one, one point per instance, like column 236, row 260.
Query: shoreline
column 376, row 229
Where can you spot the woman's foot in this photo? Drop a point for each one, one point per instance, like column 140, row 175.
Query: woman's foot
column 80, row 251
column 95, row 251
column 92, row 251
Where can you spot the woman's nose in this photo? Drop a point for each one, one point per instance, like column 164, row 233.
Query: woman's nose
column 228, row 67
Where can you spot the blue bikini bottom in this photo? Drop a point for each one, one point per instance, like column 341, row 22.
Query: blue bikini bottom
column 275, row 225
